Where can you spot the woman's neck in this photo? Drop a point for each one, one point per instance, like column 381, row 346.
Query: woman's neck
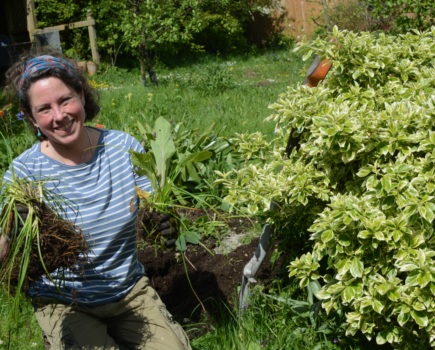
column 80, row 152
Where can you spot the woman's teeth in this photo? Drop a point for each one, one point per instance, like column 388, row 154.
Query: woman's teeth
column 66, row 127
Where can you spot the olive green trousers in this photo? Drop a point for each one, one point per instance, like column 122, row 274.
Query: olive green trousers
column 139, row 320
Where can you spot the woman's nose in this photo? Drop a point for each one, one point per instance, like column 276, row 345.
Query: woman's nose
column 58, row 114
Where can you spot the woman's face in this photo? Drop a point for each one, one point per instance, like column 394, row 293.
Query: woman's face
column 57, row 110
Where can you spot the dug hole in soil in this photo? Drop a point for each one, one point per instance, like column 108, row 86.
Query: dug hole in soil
column 212, row 277
column 63, row 246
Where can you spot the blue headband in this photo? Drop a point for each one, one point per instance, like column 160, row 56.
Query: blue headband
column 43, row 62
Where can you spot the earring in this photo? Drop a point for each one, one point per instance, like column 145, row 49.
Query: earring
column 86, row 114
column 39, row 133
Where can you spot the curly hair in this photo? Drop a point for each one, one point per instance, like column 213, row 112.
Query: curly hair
column 79, row 84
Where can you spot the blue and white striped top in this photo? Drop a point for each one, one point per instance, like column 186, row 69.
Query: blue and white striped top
column 101, row 190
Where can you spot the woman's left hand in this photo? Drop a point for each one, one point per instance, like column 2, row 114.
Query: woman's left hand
column 167, row 229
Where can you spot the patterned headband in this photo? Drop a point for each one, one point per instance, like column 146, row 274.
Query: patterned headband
column 43, row 62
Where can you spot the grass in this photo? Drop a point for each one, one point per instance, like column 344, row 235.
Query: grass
column 182, row 97
column 26, row 334
column 268, row 324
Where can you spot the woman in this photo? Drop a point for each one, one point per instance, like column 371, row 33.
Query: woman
column 112, row 306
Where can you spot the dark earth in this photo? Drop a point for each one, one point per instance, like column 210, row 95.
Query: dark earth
column 211, row 276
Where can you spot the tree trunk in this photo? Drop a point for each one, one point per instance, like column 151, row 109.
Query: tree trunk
column 153, row 76
column 142, row 66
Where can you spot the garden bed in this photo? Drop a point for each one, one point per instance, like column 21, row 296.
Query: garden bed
column 211, row 276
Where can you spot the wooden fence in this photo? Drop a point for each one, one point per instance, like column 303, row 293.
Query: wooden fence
column 295, row 20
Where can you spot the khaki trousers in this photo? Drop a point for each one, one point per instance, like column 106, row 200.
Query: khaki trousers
column 137, row 321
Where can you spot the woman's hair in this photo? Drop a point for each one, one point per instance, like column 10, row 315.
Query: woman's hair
column 77, row 81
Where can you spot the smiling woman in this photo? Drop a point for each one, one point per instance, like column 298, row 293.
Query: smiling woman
column 111, row 304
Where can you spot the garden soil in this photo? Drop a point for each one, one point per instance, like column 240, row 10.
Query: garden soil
column 213, row 277
column 62, row 246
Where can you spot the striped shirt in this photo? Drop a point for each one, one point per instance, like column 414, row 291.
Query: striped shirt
column 101, row 190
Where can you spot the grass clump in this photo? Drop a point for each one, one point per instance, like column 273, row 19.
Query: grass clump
column 44, row 244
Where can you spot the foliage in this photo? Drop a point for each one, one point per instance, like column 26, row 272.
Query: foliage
column 196, row 177
column 163, row 163
column 218, row 79
column 15, row 137
column 362, row 182
column 27, row 333
column 204, row 226
column 275, row 323
column 166, row 26
column 409, row 14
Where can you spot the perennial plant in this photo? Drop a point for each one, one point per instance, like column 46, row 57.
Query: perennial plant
column 362, row 182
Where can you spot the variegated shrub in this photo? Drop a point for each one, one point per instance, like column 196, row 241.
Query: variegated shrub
column 362, row 182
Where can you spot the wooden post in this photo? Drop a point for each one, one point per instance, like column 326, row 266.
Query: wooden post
column 93, row 39
column 32, row 23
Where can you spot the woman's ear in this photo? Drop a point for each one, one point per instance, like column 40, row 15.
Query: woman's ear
column 33, row 120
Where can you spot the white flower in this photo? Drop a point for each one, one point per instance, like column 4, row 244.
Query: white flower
column 299, row 36
column 34, row 344
column 289, row 25
column 1, row 342
column 303, row 29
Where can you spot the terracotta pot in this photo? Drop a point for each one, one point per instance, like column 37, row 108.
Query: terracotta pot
column 92, row 68
column 82, row 65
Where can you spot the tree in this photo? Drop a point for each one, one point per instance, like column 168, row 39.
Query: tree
column 146, row 23
column 140, row 26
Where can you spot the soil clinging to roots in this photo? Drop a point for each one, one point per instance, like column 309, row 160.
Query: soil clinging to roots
column 146, row 223
column 63, row 246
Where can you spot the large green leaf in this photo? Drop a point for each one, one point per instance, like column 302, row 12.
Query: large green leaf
column 313, row 288
column 420, row 318
column 145, row 165
column 163, row 148
column 193, row 157
column 356, row 267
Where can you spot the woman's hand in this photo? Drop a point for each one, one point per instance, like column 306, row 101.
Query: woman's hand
column 167, row 229
column 4, row 248
column 5, row 238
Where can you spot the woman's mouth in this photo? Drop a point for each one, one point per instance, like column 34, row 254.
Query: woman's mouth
column 66, row 127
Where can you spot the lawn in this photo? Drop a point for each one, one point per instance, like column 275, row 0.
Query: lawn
column 182, row 96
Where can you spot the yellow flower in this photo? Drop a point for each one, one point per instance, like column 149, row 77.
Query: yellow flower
column 113, row 104
column 176, row 84
column 206, row 137
column 149, row 99
column 278, row 74
column 214, row 123
column 150, row 95
column 231, row 68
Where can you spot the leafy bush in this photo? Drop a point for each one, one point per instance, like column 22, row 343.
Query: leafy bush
column 418, row 14
column 363, row 182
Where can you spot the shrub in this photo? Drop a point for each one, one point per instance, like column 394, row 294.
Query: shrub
column 362, row 182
